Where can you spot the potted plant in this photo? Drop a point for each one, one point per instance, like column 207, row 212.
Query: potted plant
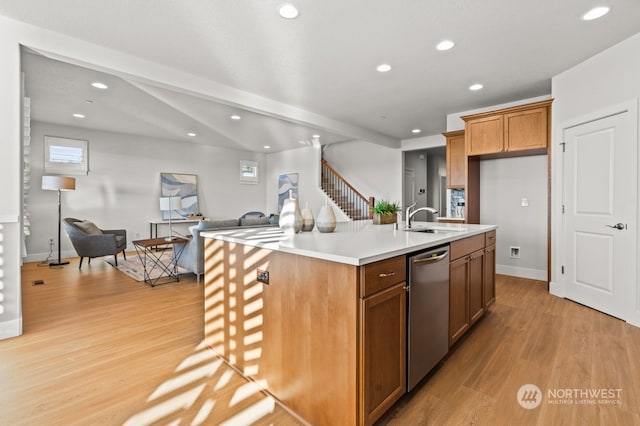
column 385, row 212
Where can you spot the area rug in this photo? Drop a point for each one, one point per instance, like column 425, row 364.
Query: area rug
column 134, row 268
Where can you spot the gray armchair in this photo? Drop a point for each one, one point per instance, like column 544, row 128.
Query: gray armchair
column 91, row 241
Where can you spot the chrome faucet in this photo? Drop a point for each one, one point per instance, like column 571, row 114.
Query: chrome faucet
column 409, row 213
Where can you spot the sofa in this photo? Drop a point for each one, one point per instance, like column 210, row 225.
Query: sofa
column 192, row 256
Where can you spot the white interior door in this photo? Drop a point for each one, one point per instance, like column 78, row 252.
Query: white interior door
column 599, row 221
column 409, row 187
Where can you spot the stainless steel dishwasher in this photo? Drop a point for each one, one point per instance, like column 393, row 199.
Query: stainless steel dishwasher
column 427, row 313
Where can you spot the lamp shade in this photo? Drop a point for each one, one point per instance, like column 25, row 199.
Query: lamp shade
column 55, row 183
column 170, row 203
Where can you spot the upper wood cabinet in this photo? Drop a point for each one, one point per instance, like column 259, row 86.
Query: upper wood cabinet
column 456, row 160
column 485, row 135
column 523, row 129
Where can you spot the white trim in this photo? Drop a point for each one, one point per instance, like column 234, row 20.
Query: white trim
column 515, row 271
column 74, row 168
column 11, row 328
column 9, row 218
column 252, row 167
column 556, row 289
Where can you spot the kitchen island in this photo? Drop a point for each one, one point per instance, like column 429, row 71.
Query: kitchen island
column 320, row 319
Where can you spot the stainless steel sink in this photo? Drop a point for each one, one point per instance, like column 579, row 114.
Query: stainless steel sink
column 435, row 230
column 427, row 230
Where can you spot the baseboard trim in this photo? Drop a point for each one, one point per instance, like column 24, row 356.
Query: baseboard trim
column 533, row 274
column 11, row 328
column 556, row 289
column 37, row 257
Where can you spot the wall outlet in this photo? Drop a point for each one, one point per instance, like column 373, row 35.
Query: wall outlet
column 263, row 276
column 514, row 252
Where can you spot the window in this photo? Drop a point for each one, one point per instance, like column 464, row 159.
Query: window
column 63, row 155
column 248, row 172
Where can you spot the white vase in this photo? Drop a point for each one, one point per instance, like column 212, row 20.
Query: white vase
column 326, row 220
column 290, row 216
column 308, row 222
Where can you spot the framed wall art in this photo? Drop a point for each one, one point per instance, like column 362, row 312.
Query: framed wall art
column 287, row 182
column 180, row 185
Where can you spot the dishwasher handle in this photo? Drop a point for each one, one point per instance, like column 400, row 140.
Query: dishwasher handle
column 435, row 257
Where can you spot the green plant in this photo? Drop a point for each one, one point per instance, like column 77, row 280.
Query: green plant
column 386, row 208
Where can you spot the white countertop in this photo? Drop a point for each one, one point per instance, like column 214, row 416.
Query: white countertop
column 354, row 243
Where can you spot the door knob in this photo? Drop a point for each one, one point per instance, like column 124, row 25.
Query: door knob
column 619, row 226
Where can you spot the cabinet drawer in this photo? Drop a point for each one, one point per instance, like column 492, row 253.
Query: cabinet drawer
column 466, row 246
column 380, row 275
column 490, row 238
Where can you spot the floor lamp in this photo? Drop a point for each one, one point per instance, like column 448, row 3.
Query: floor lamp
column 170, row 204
column 59, row 183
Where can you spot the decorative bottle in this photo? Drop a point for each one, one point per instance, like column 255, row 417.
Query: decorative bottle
column 326, row 220
column 290, row 217
column 308, row 222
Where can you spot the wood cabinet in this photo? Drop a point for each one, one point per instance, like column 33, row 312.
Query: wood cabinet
column 490, row 269
column 456, row 159
column 485, row 135
column 382, row 337
column 521, row 130
column 468, row 285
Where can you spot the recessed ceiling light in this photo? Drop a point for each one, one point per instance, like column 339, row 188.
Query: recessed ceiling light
column 595, row 13
column 383, row 68
column 416, row 131
column 267, row 147
column 192, row 134
column 315, row 136
column 445, row 45
column 99, row 85
column 288, row 11
column 476, row 86
column 235, row 117
column 77, row 115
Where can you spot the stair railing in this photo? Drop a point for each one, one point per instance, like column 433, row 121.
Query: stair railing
column 350, row 201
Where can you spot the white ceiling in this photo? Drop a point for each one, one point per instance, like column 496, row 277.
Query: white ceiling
column 323, row 62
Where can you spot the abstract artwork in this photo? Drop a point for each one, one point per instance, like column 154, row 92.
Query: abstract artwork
column 183, row 186
column 287, row 182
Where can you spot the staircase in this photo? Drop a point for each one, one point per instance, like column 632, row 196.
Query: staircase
column 350, row 201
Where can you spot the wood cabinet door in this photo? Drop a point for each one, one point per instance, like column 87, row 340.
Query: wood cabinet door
column 456, row 157
column 489, row 275
column 476, row 286
column 485, row 135
column 525, row 130
column 383, row 363
column 458, row 298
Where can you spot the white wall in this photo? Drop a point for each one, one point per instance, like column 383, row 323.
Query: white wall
column 374, row 170
column 10, row 176
column 605, row 80
column 123, row 185
column 503, row 185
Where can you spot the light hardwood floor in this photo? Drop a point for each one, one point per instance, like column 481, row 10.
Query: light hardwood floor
column 531, row 337
column 101, row 349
